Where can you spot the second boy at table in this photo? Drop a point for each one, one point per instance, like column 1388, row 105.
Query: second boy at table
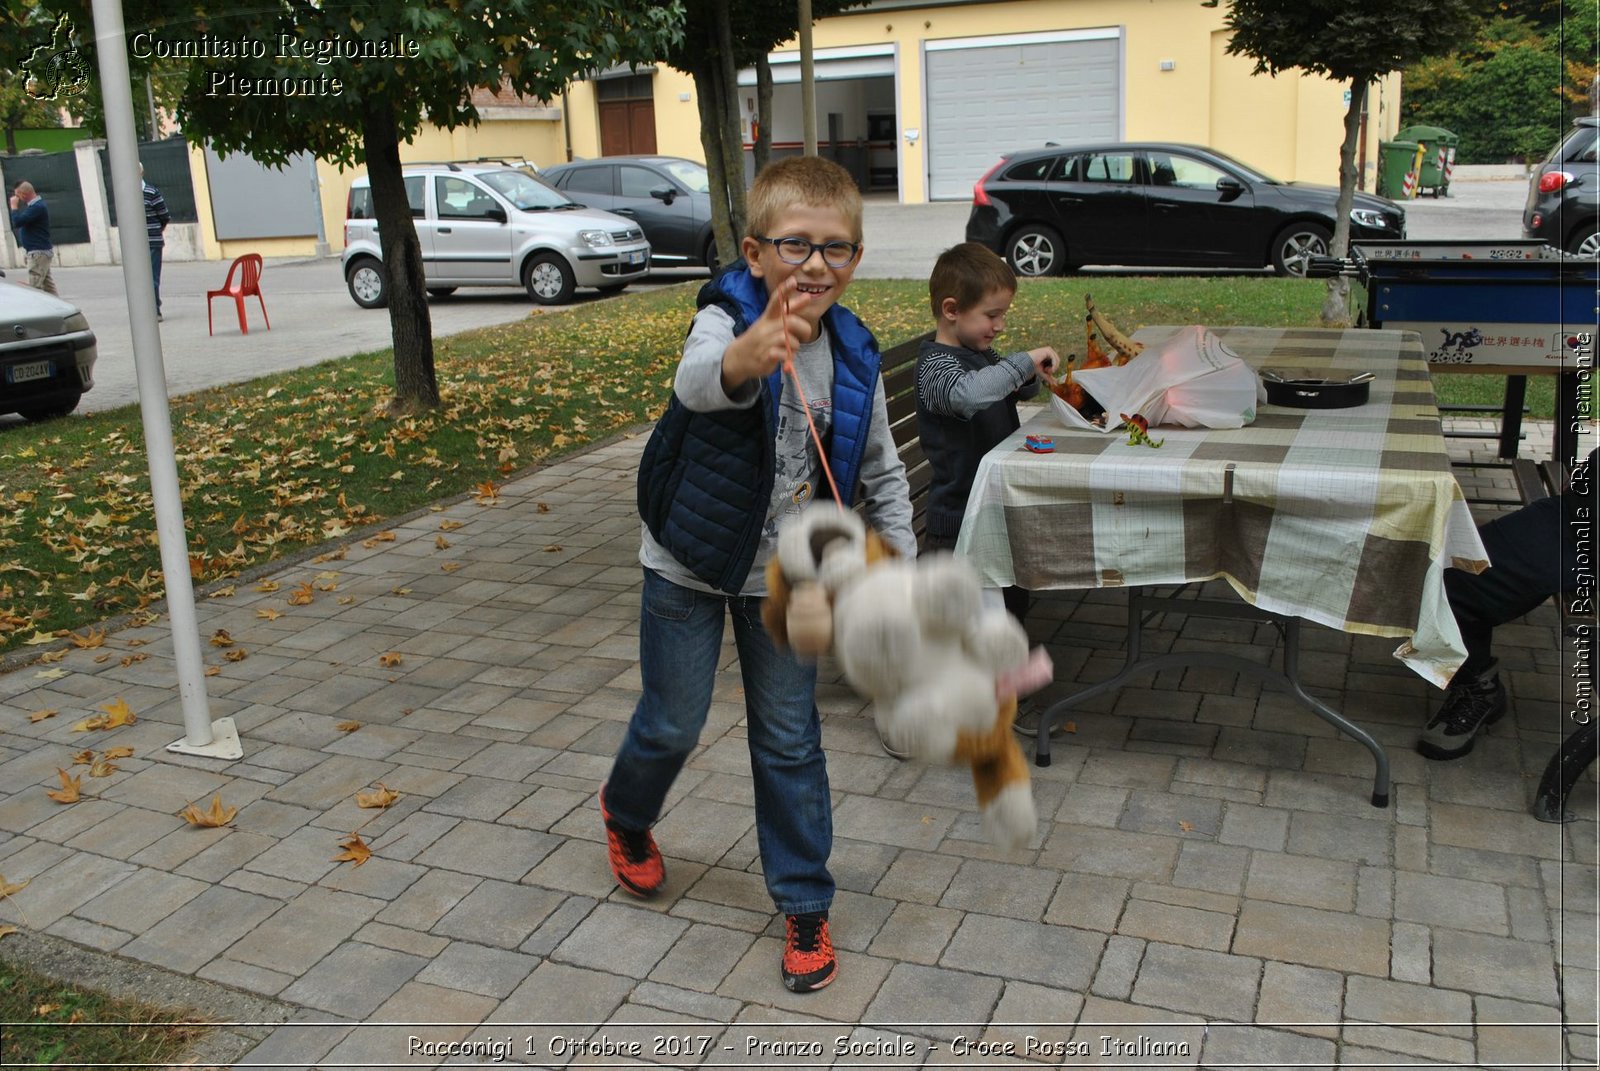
column 967, row 394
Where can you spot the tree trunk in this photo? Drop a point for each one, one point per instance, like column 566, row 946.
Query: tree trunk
column 763, row 147
column 415, row 386
column 706, row 91
column 732, row 136
column 1336, row 306
column 11, row 140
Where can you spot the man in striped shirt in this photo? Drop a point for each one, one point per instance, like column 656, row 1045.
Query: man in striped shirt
column 156, row 218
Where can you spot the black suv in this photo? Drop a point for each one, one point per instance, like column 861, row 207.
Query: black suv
column 1564, row 193
column 1054, row 209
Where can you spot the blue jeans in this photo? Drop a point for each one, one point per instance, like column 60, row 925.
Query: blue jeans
column 155, row 272
column 680, row 635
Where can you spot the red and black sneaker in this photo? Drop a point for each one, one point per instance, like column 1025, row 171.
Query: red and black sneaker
column 808, row 959
column 635, row 859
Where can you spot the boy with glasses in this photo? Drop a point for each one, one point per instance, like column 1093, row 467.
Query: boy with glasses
column 733, row 458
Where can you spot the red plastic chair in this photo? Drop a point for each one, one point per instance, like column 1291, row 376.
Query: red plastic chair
column 247, row 269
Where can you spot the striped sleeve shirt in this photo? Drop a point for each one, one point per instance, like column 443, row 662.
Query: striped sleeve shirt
column 156, row 216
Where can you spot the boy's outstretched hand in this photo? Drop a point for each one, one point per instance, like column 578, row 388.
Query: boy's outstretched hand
column 765, row 344
column 1045, row 361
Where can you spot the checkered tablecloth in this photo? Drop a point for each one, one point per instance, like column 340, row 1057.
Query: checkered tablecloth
column 1344, row 517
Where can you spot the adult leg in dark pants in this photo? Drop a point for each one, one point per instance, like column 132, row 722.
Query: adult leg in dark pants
column 1526, row 567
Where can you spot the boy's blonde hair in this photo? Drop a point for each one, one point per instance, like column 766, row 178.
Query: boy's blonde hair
column 967, row 273
column 806, row 180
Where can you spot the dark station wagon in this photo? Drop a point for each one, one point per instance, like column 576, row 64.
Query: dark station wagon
column 1055, row 209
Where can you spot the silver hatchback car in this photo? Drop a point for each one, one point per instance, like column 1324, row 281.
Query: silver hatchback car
column 493, row 225
column 47, row 353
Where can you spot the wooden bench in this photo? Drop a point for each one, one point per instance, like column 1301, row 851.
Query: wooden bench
column 899, row 370
column 1538, row 479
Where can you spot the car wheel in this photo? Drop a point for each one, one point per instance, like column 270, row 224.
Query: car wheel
column 365, row 279
column 58, row 408
column 549, row 280
column 709, row 256
column 441, row 291
column 1585, row 241
column 1036, row 251
column 1295, row 245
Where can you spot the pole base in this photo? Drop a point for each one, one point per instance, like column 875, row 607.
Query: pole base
column 224, row 743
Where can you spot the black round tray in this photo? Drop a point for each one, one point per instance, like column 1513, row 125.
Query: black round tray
column 1317, row 393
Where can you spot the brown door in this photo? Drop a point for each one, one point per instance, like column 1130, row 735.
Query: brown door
column 627, row 126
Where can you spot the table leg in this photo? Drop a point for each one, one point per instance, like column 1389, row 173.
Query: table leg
column 1133, row 664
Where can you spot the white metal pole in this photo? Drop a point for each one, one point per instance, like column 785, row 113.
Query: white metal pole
column 808, row 80
column 128, row 195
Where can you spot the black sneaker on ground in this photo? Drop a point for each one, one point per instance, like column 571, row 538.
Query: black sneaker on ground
column 1470, row 705
column 808, row 959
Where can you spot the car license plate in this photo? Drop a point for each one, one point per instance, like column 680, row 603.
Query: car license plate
column 635, row 259
column 22, row 373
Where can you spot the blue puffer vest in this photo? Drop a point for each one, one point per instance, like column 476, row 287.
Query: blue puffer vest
column 705, row 481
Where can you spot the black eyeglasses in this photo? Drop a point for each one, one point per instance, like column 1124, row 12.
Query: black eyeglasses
column 798, row 251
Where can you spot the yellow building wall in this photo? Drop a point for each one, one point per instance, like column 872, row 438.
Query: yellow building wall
column 1289, row 126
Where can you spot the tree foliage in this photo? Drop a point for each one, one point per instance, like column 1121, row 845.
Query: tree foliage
column 1351, row 41
column 719, row 38
column 294, row 88
column 1516, row 87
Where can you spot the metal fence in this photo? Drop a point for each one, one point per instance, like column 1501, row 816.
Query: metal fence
column 166, row 167
column 55, row 176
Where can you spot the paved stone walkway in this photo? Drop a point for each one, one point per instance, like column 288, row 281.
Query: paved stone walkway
column 1209, row 886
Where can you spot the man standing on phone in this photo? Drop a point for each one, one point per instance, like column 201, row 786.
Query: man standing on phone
column 30, row 219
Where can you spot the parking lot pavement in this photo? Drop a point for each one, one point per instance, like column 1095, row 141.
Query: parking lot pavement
column 314, row 319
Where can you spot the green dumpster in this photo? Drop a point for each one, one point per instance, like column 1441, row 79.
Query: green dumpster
column 1438, row 155
column 1396, row 179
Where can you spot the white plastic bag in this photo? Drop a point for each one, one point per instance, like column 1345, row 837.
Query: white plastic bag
column 1190, row 380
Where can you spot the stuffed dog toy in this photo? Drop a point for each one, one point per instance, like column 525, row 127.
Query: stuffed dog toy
column 914, row 637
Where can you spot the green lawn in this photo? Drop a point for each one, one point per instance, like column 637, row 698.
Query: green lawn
column 44, row 1023
column 296, row 460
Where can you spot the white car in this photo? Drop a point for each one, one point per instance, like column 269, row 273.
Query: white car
column 47, row 353
column 492, row 225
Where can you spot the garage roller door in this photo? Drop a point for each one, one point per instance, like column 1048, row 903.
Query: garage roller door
column 988, row 96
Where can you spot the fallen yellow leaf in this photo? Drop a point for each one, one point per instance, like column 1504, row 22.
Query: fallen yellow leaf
column 39, row 638
column 345, row 600
column 381, row 537
column 449, row 567
column 118, row 752
column 552, row 547
column 41, row 715
column 389, row 659
column 51, row 674
column 381, row 796
column 451, row 526
column 7, row 931
column 1187, row 827
column 441, row 543
column 267, row 613
column 120, row 713
column 355, row 850
column 348, row 726
column 220, row 638
column 102, row 768
column 302, row 595
column 92, row 638
column 97, row 721
column 83, row 757
column 215, row 817
column 222, row 593
column 212, row 671
column 267, row 587
column 70, row 787
column 128, row 660
column 53, row 656
column 400, row 591
column 7, row 888
column 238, row 654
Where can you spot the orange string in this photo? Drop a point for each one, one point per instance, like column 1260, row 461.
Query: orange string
column 805, row 407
